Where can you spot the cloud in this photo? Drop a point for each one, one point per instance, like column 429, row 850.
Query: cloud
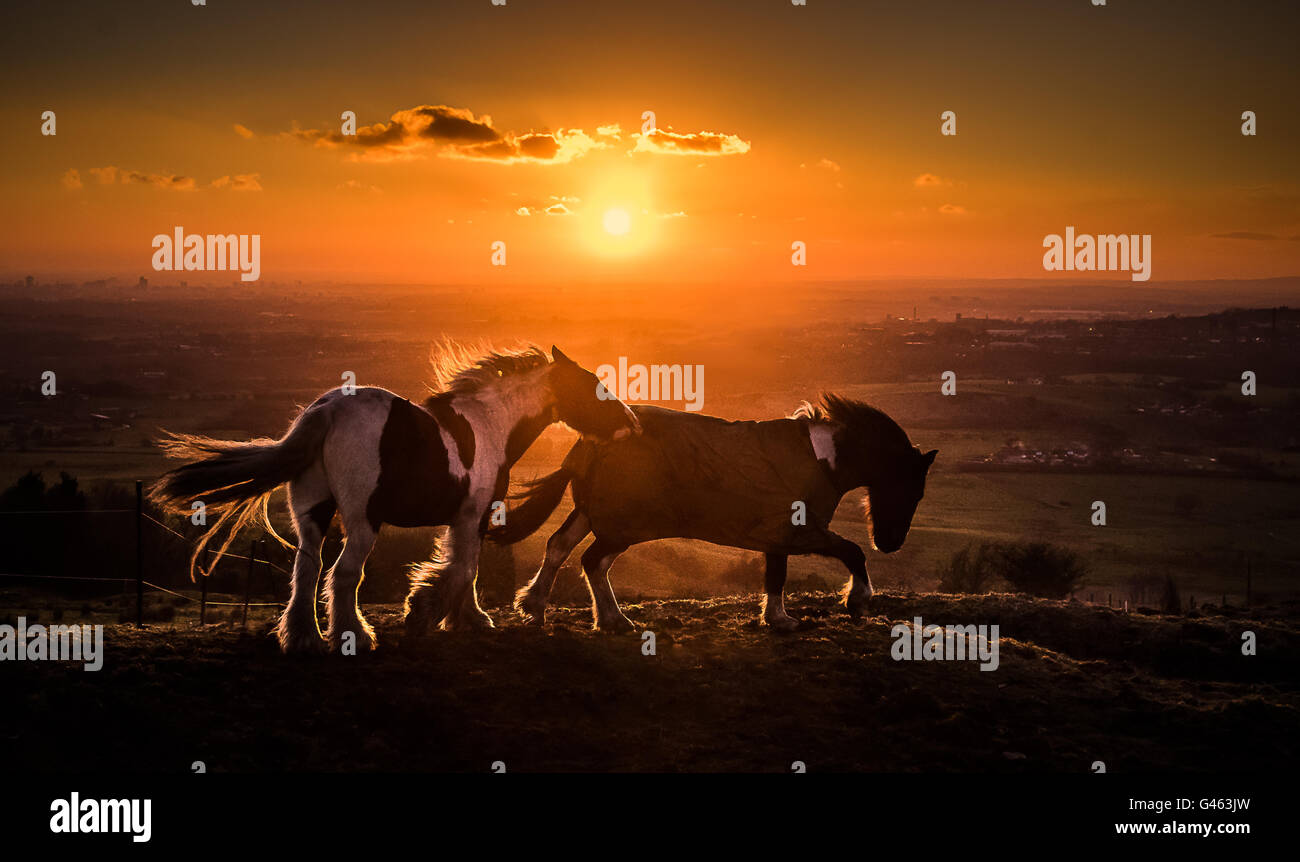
column 161, row 181
column 951, row 209
column 358, row 186
column 668, row 142
column 554, row 148
column 828, row 165
column 408, row 133
column 678, row 214
column 243, row 131
column 239, row 183
column 555, row 206
column 112, row 174
column 930, row 181
column 458, row 133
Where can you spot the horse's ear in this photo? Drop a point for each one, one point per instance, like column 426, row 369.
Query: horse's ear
column 557, row 355
column 928, row 457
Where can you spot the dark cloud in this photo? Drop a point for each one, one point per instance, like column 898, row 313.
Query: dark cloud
column 457, row 126
column 455, row 133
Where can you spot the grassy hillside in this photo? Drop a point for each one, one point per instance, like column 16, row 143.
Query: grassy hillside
column 1076, row 684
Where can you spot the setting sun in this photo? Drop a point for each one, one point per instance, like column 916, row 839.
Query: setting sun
column 617, row 222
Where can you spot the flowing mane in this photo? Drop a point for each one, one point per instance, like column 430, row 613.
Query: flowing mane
column 460, row 369
column 860, row 418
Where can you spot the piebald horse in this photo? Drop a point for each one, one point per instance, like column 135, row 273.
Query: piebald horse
column 375, row 458
column 769, row 486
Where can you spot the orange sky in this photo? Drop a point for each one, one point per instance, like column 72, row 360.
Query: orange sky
column 817, row 123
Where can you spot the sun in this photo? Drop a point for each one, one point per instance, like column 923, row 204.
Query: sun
column 616, row 222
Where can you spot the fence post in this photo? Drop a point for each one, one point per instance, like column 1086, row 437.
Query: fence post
column 270, row 576
column 1248, row 579
column 203, row 589
column 139, row 553
column 248, row 581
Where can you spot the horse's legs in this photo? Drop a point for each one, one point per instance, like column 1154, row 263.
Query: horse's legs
column 441, row 588
column 858, row 590
column 774, row 613
column 471, row 615
column 595, row 565
column 344, row 581
column 530, row 601
column 313, row 509
column 457, row 580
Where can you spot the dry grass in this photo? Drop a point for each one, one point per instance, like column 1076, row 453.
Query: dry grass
column 1142, row 692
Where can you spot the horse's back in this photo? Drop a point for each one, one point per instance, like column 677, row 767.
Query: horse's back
column 733, row 483
column 388, row 455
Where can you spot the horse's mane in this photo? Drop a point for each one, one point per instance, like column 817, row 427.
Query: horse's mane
column 459, row 368
column 859, row 417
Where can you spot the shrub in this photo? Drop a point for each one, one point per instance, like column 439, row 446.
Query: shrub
column 971, row 570
column 1034, row 568
column 1040, row 569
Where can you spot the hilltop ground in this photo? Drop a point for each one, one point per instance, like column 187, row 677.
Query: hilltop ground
column 1141, row 692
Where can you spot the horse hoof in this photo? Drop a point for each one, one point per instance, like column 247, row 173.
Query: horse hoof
column 304, row 645
column 618, row 625
column 416, row 629
column 362, row 641
column 472, row 622
column 856, row 611
column 782, row 624
column 534, row 614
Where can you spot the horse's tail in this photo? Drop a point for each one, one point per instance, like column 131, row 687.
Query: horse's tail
column 234, row 480
column 540, row 497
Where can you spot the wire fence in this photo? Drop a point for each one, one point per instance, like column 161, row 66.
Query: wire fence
column 255, row 557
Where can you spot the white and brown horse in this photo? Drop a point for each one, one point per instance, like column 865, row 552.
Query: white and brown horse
column 375, row 458
column 769, row 486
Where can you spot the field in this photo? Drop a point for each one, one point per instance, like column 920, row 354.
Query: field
column 1141, row 692
column 1201, row 485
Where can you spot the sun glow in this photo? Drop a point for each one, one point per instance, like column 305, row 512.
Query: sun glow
column 616, row 222
column 616, row 214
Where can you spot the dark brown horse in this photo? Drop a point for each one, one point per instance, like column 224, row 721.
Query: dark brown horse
column 768, row 486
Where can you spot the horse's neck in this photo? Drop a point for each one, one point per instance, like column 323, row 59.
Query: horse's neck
column 879, row 453
column 511, row 417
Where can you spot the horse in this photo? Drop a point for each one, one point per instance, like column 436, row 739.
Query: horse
column 376, row 458
column 770, row 486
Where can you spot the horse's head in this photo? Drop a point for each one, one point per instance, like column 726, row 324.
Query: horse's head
column 862, row 446
column 584, row 404
column 893, row 495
